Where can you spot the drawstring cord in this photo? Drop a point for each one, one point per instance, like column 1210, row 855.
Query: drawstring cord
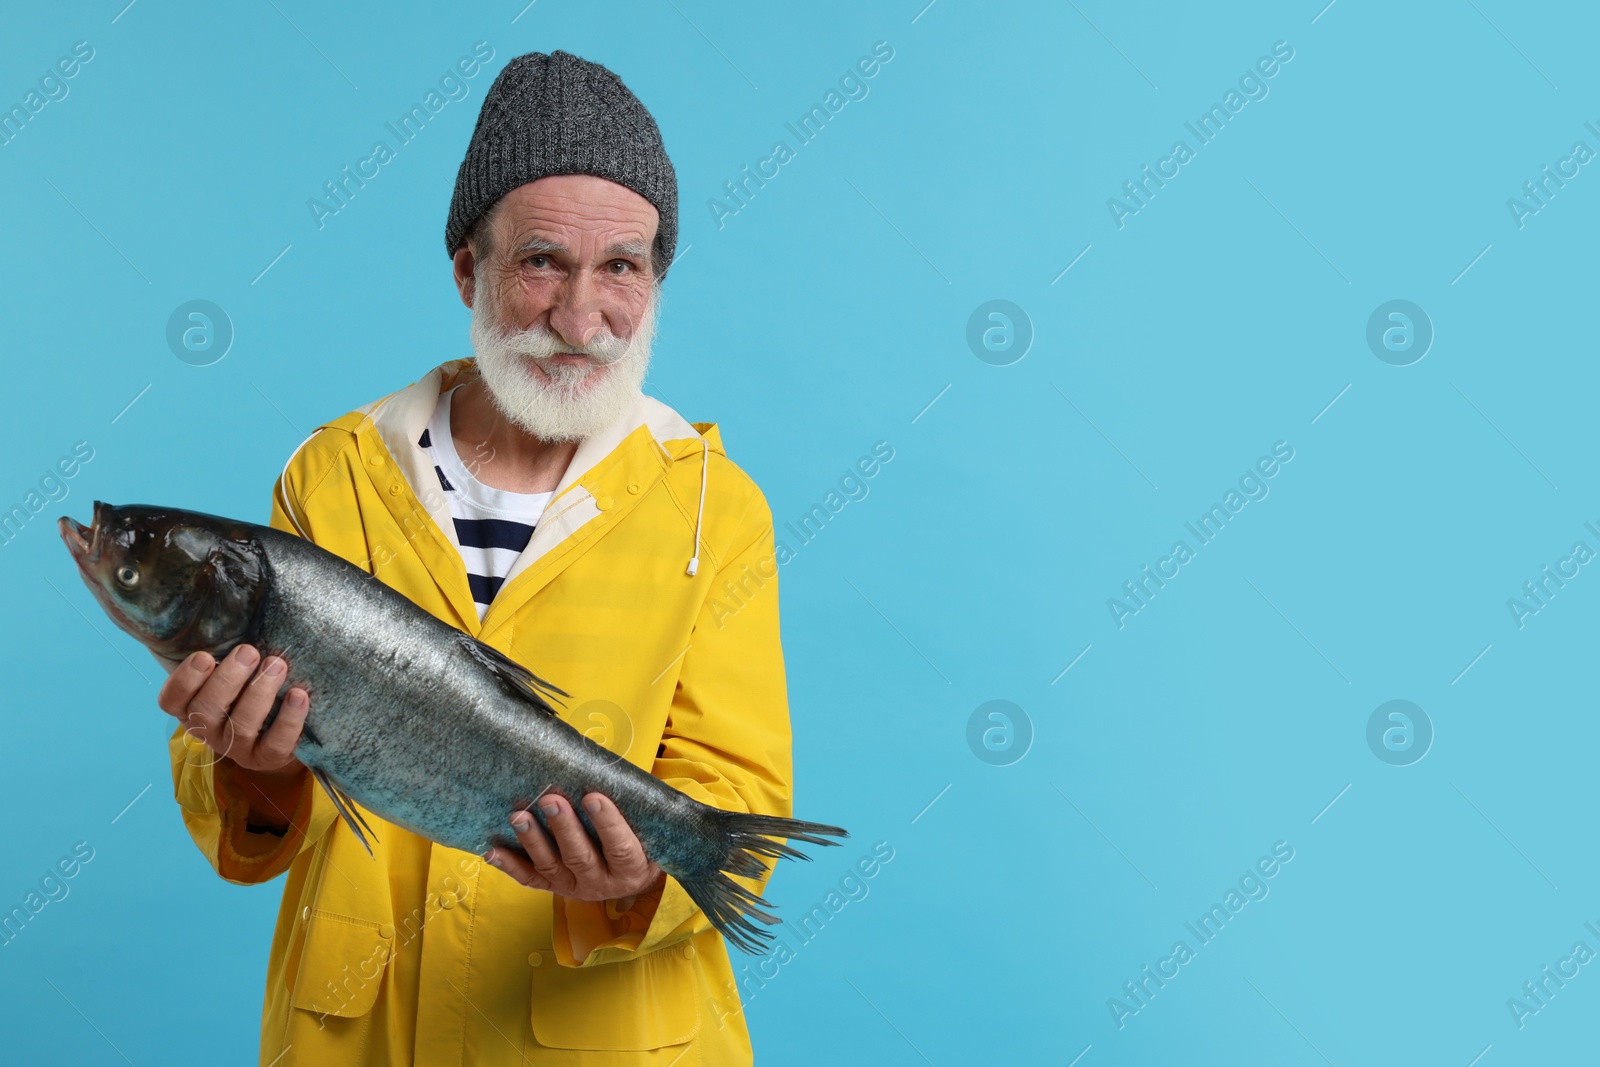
column 705, row 461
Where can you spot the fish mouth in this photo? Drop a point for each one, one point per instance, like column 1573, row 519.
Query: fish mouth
column 82, row 541
column 87, row 544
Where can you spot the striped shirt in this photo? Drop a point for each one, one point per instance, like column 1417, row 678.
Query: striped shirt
column 493, row 525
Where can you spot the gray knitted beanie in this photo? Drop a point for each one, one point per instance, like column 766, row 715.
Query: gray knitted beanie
column 559, row 114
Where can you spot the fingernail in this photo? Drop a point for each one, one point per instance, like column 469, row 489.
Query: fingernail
column 592, row 805
column 551, row 807
column 491, row 858
column 521, row 821
column 275, row 669
column 247, row 655
column 202, row 662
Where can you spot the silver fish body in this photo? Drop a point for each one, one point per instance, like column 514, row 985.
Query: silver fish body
column 410, row 718
column 417, row 721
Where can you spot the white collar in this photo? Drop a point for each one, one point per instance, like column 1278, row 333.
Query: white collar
column 400, row 417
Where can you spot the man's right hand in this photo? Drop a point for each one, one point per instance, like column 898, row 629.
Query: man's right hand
column 224, row 704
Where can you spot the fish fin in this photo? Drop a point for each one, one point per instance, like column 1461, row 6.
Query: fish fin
column 730, row 906
column 347, row 809
column 522, row 682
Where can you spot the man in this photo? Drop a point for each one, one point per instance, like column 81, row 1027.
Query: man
column 536, row 499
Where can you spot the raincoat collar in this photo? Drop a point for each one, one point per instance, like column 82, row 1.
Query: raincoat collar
column 608, row 474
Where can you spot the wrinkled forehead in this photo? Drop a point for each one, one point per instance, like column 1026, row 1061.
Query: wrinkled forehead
column 578, row 214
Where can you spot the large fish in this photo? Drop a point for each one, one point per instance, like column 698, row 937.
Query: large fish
column 411, row 718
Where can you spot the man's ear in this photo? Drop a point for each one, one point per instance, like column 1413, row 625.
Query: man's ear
column 465, row 272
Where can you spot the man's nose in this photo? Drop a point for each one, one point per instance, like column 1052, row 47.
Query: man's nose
column 577, row 315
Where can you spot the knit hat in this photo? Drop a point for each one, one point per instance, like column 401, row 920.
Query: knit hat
column 560, row 114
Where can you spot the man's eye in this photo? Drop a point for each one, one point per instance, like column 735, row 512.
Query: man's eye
column 538, row 262
column 620, row 266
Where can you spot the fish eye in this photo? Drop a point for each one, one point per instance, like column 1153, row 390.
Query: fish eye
column 128, row 576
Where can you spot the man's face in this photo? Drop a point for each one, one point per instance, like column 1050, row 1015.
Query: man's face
column 563, row 302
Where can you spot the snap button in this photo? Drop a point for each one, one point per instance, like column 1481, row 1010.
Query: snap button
column 376, row 461
column 534, row 959
column 305, row 912
column 688, row 952
column 604, row 503
column 633, row 488
column 386, row 930
column 394, row 490
column 447, row 901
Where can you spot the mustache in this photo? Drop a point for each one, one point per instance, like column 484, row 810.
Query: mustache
column 542, row 344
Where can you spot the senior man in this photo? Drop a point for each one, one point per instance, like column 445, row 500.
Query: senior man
column 535, row 498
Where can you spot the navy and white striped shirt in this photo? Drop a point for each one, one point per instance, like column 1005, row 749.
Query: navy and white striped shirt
column 493, row 525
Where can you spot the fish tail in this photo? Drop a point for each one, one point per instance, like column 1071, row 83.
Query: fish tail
column 732, row 908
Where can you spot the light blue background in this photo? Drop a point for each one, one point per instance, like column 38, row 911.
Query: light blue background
column 824, row 317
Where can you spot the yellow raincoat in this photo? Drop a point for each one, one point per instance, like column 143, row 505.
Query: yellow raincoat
column 427, row 954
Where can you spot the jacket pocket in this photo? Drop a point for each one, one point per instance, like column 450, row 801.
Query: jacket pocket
column 339, row 963
column 638, row 1004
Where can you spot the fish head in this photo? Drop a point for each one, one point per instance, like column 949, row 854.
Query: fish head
column 177, row 581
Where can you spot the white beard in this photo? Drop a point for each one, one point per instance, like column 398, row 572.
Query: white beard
column 556, row 401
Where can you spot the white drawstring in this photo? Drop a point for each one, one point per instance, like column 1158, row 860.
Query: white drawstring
column 705, row 461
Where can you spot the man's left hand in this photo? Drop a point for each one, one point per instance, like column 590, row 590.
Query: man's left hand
column 570, row 865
